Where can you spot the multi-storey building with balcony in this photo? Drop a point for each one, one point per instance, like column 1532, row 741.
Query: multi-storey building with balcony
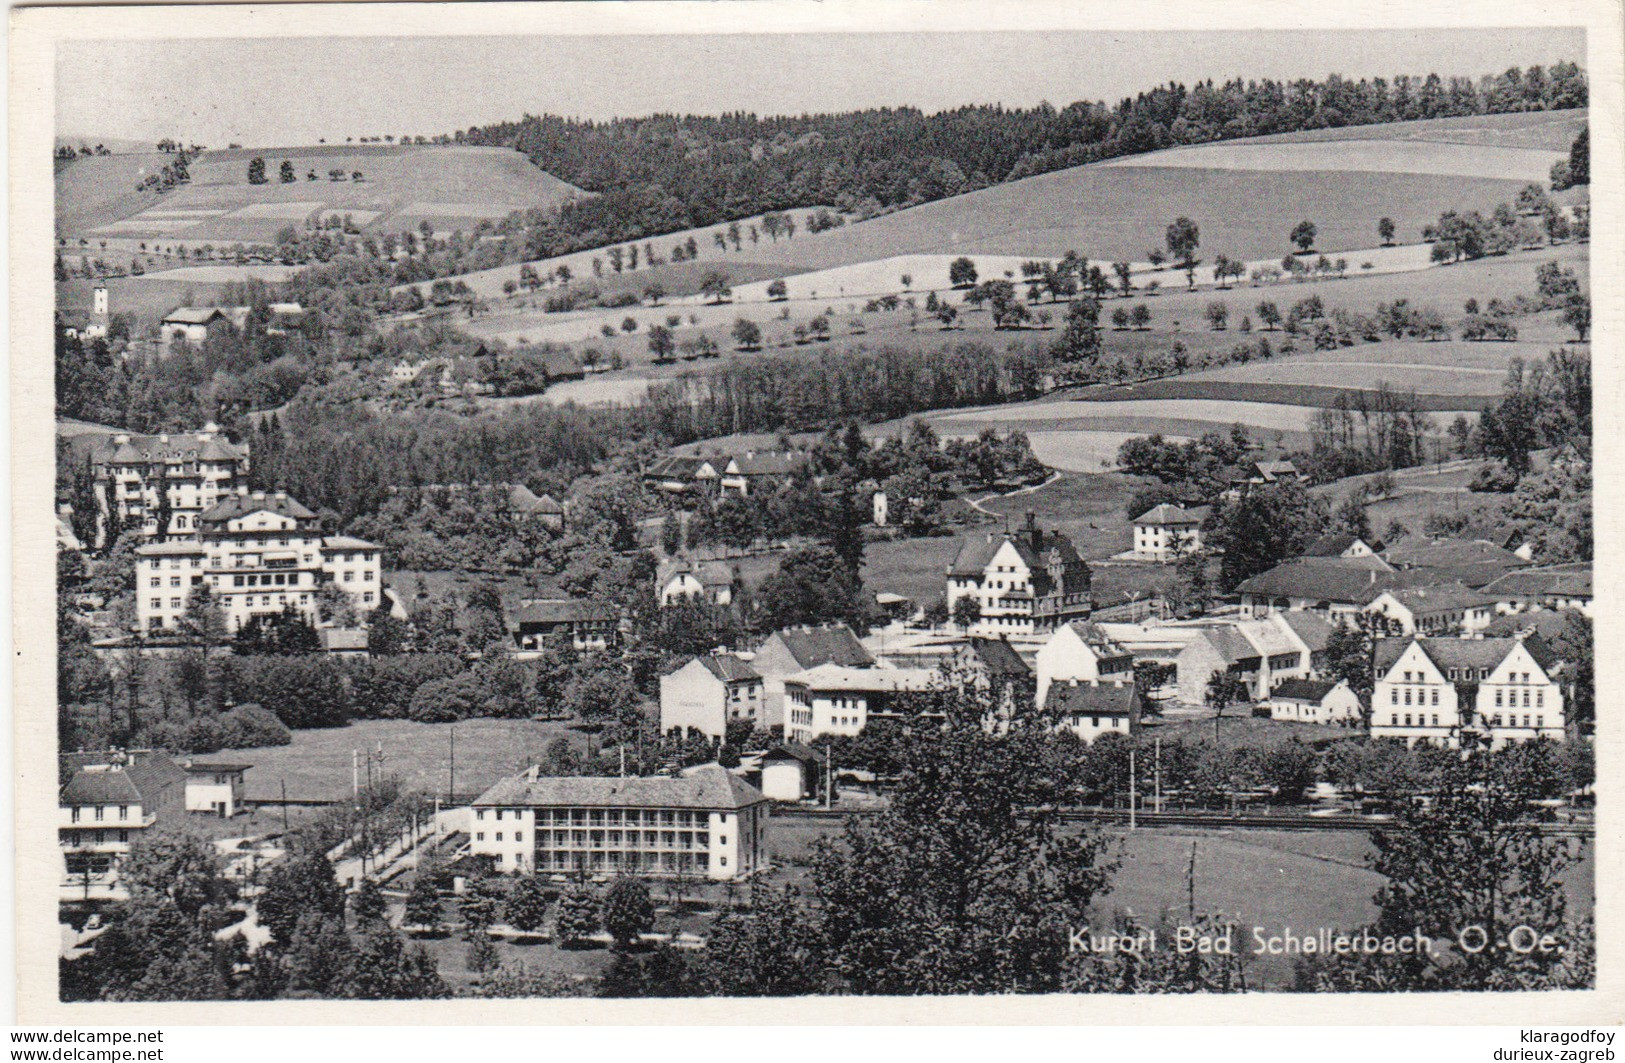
column 259, row 554
column 106, row 804
column 707, row 823
column 135, row 475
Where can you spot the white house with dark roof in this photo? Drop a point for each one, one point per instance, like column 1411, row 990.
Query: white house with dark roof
column 706, row 823
column 1511, row 683
column 1263, row 474
column 540, row 623
column 1091, row 709
column 1341, row 544
column 1167, row 532
column 258, row 554
column 1557, row 587
column 796, row 649
column 708, row 693
column 832, row 699
column 1080, row 651
column 709, row 581
column 1314, row 701
column 1448, row 609
column 214, row 787
column 136, row 475
column 752, row 472
column 108, row 802
column 1024, row 582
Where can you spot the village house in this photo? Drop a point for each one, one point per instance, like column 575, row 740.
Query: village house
column 1261, row 653
column 706, row 823
column 1433, row 611
column 1167, row 532
column 1262, row 474
column 1510, row 683
column 1336, row 588
column 832, row 699
column 711, row 582
column 1342, row 544
column 136, row 477
column 195, row 324
column 1558, row 587
column 707, row 694
column 525, row 504
column 754, row 472
column 677, row 474
column 110, row 800
column 258, row 554
column 1091, row 709
column 792, row 771
column 1314, row 701
column 1469, row 561
column 1025, row 582
column 994, row 665
column 1080, row 651
column 544, row 623
column 797, row 649
column 214, row 787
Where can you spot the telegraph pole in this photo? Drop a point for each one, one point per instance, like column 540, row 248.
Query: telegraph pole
column 1131, row 791
column 451, row 785
column 1158, row 741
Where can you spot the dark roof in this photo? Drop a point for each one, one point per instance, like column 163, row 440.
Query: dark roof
column 1166, row 513
column 1324, row 579
column 242, row 505
column 214, row 766
column 1567, row 581
column 1547, row 623
column 772, row 463
column 1035, row 548
column 709, row 787
column 1463, row 653
column 522, row 499
column 1333, row 545
column 129, row 448
column 1232, row 645
column 142, row 776
column 1416, row 551
column 830, row 644
column 999, row 658
column 728, row 667
column 560, row 611
column 678, row 467
column 1091, row 699
column 794, row 751
column 1314, row 690
column 1439, row 598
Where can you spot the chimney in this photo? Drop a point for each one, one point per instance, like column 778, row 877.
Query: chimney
column 163, row 439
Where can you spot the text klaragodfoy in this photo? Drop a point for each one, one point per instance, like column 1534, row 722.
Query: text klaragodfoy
column 1286, row 942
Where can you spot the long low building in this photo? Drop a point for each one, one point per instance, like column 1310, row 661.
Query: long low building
column 707, row 823
column 835, row 700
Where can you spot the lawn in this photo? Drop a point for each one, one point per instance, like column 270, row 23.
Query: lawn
column 1272, row 879
column 1551, row 130
column 1363, row 156
column 317, row 766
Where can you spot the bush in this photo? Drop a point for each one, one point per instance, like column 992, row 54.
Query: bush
column 1493, row 478
column 251, row 725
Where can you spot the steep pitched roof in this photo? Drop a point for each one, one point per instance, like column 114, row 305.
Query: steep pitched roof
column 794, row 751
column 999, row 658
column 830, row 644
column 1311, row 690
column 1269, row 638
column 728, row 667
column 1231, row 645
column 140, row 778
column 1095, row 637
column 560, row 611
column 1033, row 546
column 1312, row 628
column 709, row 787
column 1092, row 699
column 131, row 448
column 1449, row 653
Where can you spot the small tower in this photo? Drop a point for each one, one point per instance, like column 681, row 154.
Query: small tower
column 98, row 312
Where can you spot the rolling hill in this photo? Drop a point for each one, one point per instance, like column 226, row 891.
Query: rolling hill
column 450, row 187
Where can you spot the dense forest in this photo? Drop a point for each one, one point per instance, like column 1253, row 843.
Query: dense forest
column 667, row 172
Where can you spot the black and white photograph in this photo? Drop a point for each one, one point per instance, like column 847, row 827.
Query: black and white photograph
column 545, row 513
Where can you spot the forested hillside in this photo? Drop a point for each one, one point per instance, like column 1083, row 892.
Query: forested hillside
column 667, row 172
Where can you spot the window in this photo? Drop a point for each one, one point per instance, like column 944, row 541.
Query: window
column 480, row 837
column 1407, row 719
column 124, row 812
column 499, row 835
column 174, row 581
column 1435, row 719
column 479, row 813
column 1435, row 698
column 75, row 814
column 156, row 582
column 1498, row 699
column 1540, row 699
column 518, row 836
column 1393, row 695
column 99, row 811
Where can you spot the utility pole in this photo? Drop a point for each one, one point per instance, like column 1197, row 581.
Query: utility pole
column 829, row 772
column 1131, row 791
column 355, row 775
column 1158, row 801
column 284, row 804
column 451, row 784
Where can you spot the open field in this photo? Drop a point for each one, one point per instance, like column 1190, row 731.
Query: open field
column 317, row 764
column 450, row 187
column 1548, row 130
column 1361, row 156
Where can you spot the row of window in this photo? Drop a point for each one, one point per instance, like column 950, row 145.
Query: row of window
column 100, row 811
column 95, row 837
column 601, row 817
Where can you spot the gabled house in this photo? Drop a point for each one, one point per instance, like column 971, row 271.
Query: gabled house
column 1314, row 701
column 1080, row 651
column 1470, row 561
column 792, row 771
column 1263, row 474
column 195, row 324
column 1091, row 709
column 994, row 665
column 1430, row 690
column 798, row 649
column 678, row 474
column 540, row 623
column 1336, row 588
column 215, row 787
column 1344, row 545
column 832, row 699
column 708, row 693
column 1167, row 532
column 1025, row 582
column 709, row 581
column 137, row 477
column 525, row 504
column 1558, row 587
column 1449, row 609
column 754, row 471
column 108, row 802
